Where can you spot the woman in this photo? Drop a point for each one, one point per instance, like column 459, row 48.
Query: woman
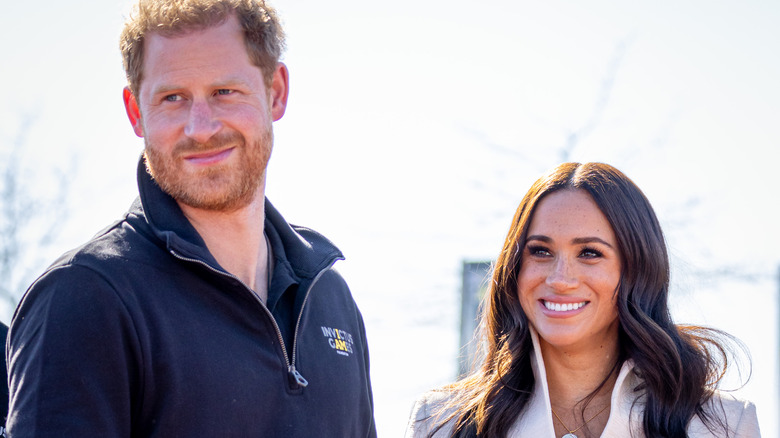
column 579, row 340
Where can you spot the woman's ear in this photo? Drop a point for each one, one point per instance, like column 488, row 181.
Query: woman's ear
column 133, row 113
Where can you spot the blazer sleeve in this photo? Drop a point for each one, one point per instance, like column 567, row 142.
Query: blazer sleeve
column 747, row 424
column 72, row 356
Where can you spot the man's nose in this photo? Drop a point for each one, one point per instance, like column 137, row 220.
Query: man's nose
column 201, row 122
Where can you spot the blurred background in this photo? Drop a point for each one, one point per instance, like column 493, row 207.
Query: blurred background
column 414, row 128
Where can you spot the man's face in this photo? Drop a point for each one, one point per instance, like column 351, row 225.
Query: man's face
column 205, row 115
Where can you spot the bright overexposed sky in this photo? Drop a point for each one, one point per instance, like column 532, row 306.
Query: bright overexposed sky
column 414, row 127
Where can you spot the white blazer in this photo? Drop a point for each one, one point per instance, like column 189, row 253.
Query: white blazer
column 536, row 419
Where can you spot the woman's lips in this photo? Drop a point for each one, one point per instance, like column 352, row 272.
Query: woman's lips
column 561, row 309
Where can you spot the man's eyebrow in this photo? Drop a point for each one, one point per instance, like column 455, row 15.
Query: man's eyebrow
column 164, row 89
column 225, row 83
column 229, row 82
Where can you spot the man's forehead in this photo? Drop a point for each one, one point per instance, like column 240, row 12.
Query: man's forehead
column 227, row 28
column 211, row 57
column 214, row 41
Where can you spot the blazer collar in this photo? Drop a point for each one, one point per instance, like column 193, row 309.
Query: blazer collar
column 536, row 419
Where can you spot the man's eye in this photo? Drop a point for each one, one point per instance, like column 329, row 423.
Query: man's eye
column 173, row 98
column 224, row 91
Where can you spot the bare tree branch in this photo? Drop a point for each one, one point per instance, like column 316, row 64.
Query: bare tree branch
column 29, row 224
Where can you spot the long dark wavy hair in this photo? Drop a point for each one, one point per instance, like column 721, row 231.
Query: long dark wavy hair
column 680, row 366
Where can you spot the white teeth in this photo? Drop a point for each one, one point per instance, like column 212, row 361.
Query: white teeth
column 558, row 307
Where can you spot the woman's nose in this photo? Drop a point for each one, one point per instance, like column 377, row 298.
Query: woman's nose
column 561, row 276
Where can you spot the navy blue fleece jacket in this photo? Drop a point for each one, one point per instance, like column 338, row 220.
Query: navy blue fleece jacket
column 140, row 333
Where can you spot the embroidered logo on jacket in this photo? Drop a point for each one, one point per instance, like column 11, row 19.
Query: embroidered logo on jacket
column 339, row 340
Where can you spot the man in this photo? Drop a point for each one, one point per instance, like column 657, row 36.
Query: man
column 201, row 312
column 4, row 386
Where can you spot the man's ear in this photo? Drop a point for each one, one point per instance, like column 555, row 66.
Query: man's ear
column 280, row 87
column 133, row 113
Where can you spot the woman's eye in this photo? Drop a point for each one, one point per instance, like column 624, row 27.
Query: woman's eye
column 590, row 253
column 539, row 251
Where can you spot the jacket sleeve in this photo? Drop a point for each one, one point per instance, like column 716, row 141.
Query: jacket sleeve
column 72, row 352
column 372, row 428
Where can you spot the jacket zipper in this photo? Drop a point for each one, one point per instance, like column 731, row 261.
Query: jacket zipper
column 299, row 379
column 296, row 375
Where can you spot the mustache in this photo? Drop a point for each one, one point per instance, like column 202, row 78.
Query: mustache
column 218, row 141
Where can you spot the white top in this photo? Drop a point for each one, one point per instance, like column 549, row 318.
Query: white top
column 536, row 419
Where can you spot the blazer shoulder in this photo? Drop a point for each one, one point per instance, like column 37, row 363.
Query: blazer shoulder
column 429, row 411
column 737, row 416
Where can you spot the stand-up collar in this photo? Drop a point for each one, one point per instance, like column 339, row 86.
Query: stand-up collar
column 307, row 251
column 167, row 220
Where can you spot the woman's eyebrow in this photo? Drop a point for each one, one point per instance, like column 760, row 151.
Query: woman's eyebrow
column 576, row 240
column 581, row 240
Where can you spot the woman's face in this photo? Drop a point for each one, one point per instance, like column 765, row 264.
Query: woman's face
column 570, row 273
